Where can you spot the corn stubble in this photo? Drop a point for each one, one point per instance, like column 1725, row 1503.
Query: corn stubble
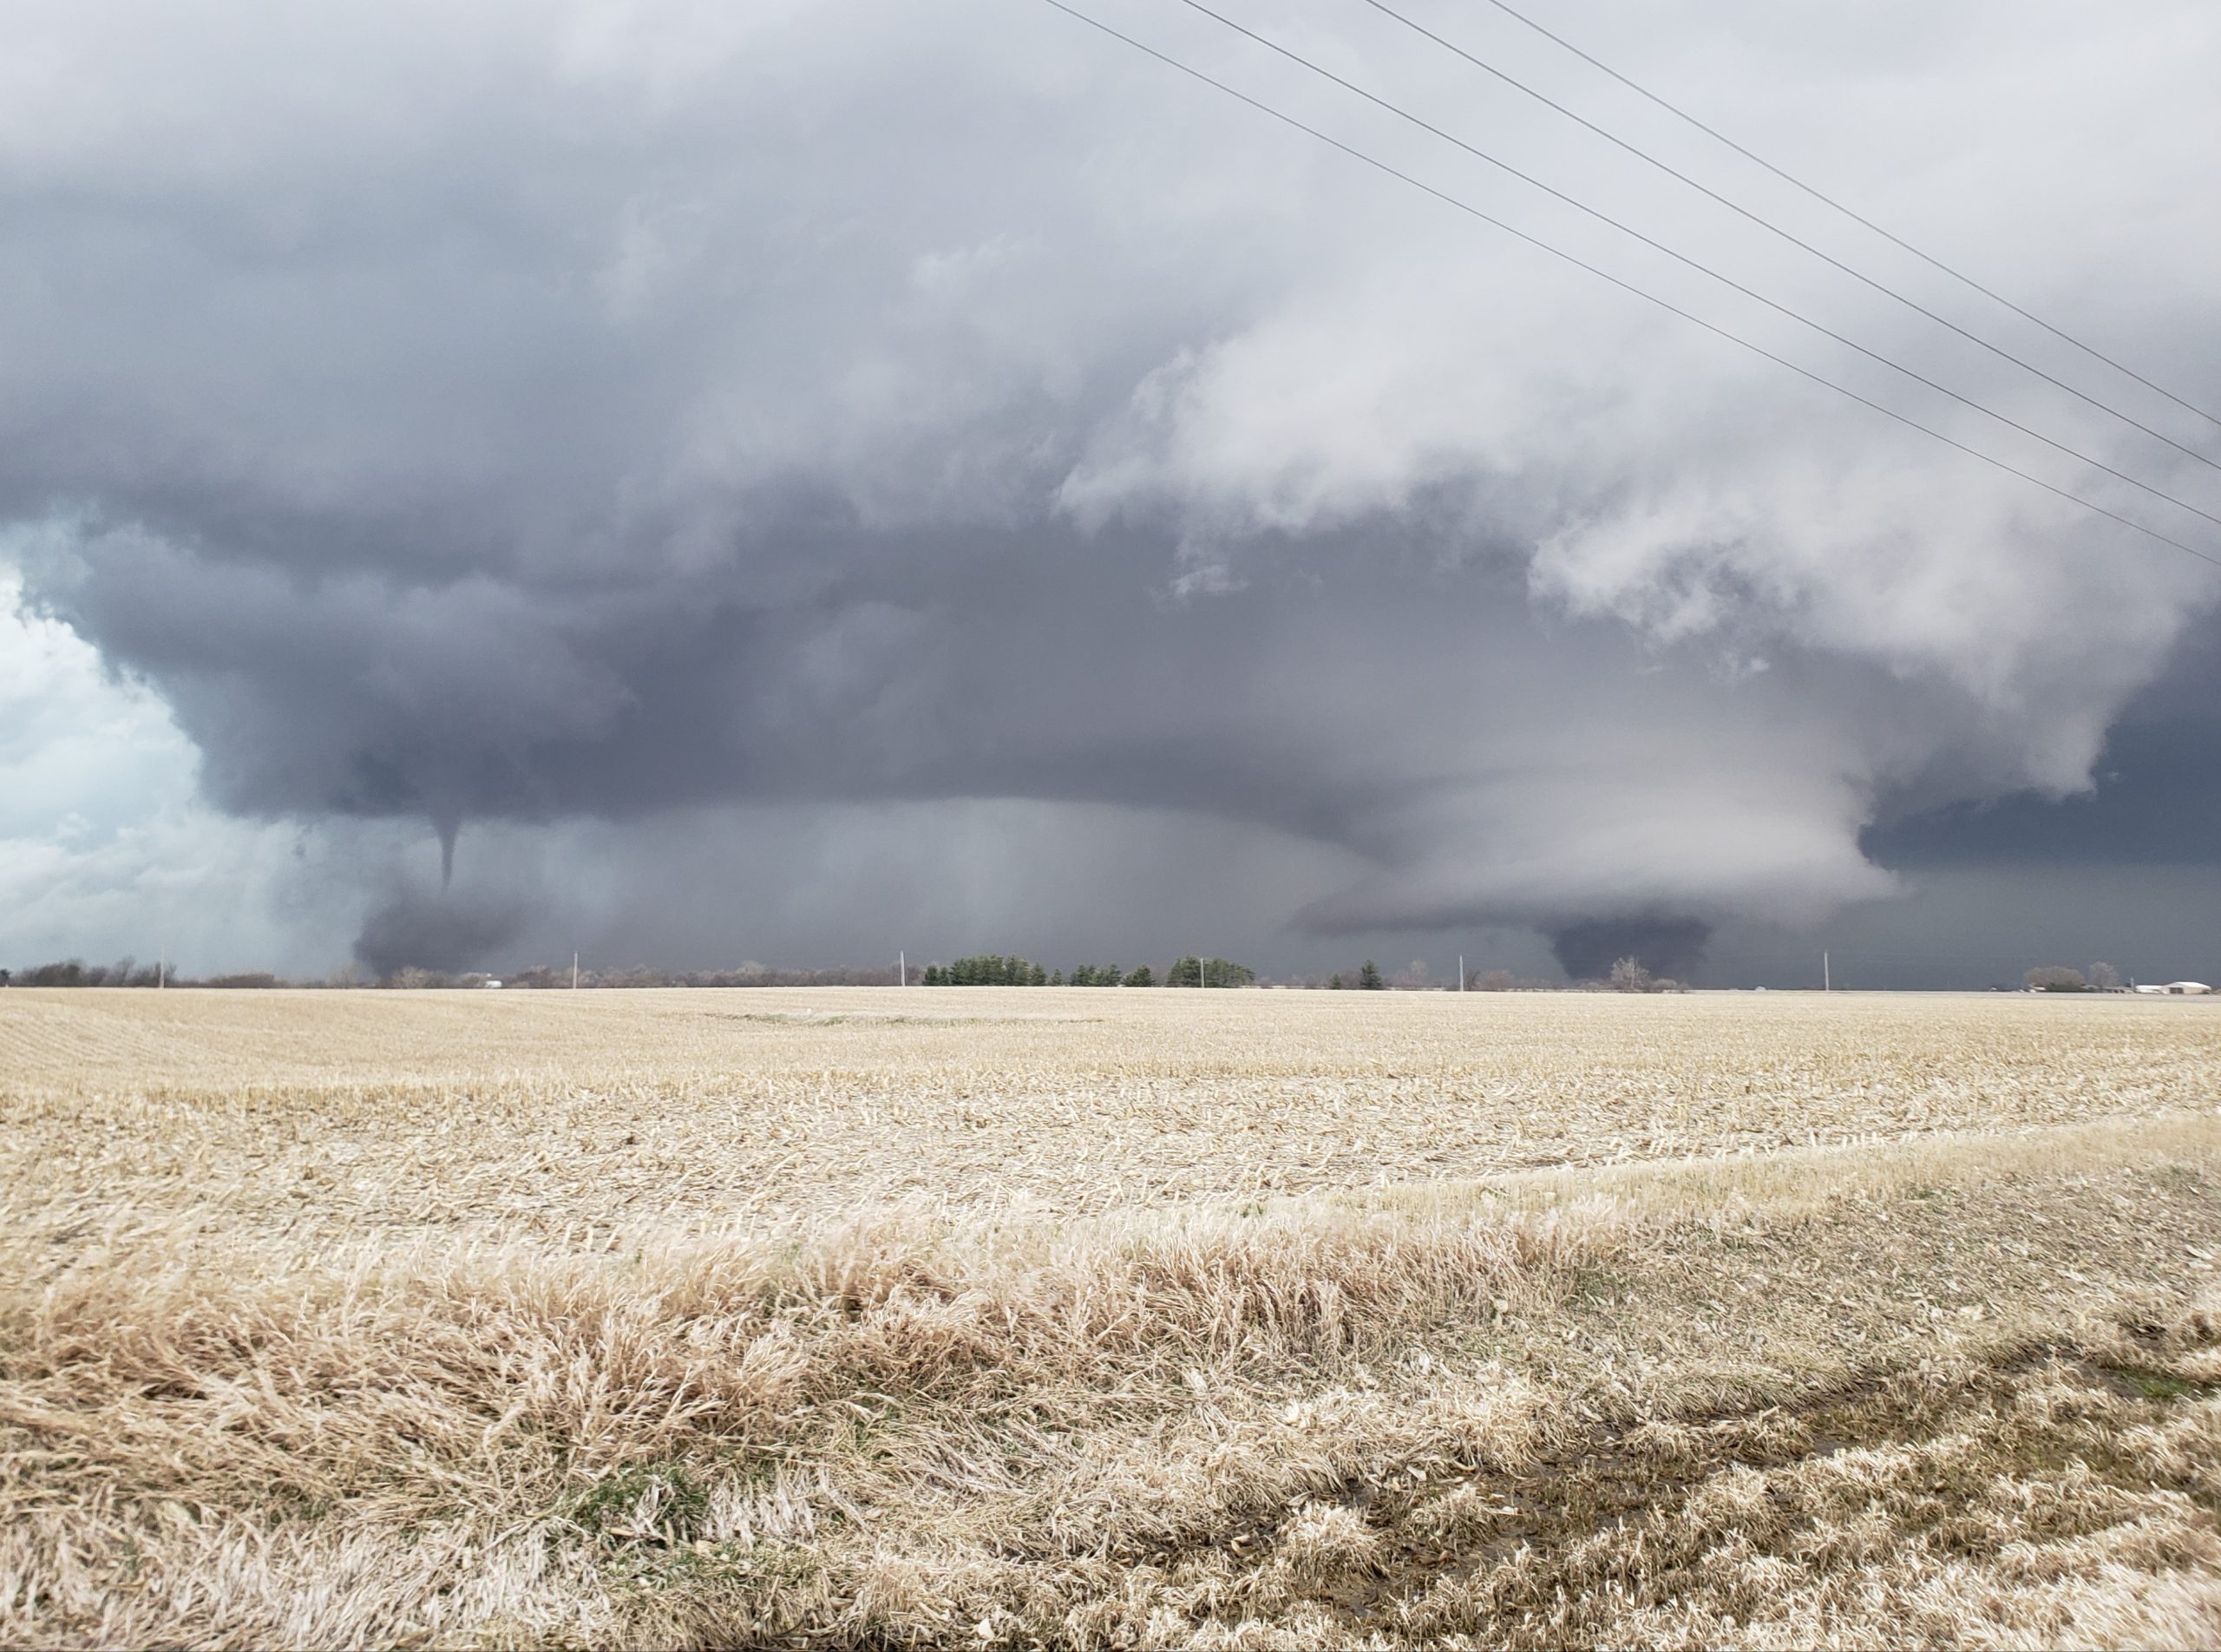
column 1091, row 1318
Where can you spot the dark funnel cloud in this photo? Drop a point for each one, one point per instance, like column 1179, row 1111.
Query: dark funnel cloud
column 445, row 933
column 1669, row 946
column 591, row 435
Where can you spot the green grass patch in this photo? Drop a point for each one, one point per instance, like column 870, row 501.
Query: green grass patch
column 2160, row 1384
column 650, row 1500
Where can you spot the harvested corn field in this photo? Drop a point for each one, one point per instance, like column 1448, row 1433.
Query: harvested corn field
column 542, row 1111
column 1108, row 1318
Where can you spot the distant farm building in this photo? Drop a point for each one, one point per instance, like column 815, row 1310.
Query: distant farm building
column 2177, row 989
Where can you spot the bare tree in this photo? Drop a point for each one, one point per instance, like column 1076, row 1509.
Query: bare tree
column 2103, row 978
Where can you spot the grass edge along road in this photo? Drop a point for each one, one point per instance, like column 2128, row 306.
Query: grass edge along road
column 1961, row 1390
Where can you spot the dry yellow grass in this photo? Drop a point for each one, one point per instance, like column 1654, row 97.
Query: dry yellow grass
column 544, row 1110
column 1108, row 1318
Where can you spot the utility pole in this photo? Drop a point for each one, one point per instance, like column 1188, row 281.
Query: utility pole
column 574, row 972
column 1827, row 984
column 902, row 968
column 1461, row 972
column 161, row 968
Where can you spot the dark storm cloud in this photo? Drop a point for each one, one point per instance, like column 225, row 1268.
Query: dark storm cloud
column 2158, row 792
column 2155, row 796
column 625, row 413
column 1375, row 701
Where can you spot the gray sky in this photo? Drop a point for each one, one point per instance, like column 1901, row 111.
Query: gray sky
column 790, row 482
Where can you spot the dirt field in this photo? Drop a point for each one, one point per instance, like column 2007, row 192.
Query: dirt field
column 1108, row 1318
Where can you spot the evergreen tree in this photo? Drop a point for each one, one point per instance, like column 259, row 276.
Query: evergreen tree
column 1209, row 972
column 988, row 970
column 1141, row 977
column 1368, row 977
column 1334, row 982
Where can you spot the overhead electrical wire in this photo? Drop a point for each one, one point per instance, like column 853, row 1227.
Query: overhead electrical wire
column 1702, row 268
column 1790, row 179
column 1771, row 228
column 1666, row 304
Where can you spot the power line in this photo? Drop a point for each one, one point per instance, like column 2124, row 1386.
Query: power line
column 1775, row 229
column 1929, row 259
column 1705, row 269
column 1472, row 211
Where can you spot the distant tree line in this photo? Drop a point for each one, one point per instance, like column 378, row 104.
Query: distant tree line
column 1105, row 975
column 746, row 975
column 992, row 969
column 1192, row 971
column 2057, row 978
column 76, row 972
column 1500, row 981
column 981, row 969
column 125, row 972
column 987, row 969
